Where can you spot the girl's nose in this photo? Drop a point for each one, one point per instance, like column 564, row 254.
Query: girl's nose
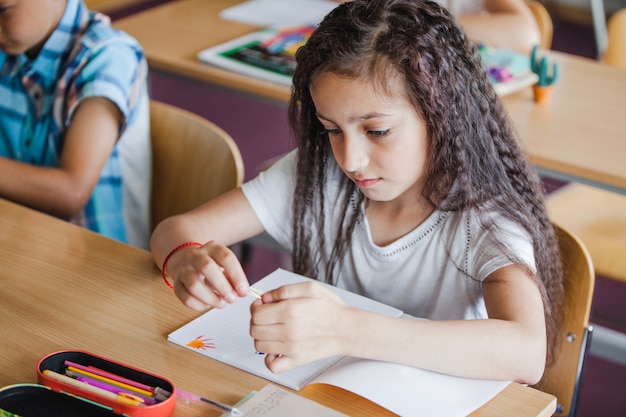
column 354, row 153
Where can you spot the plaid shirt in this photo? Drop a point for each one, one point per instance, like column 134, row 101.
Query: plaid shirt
column 84, row 57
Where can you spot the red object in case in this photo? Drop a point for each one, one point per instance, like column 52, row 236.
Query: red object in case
column 56, row 362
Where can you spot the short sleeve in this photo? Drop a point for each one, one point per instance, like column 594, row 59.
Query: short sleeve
column 271, row 195
column 112, row 68
column 489, row 256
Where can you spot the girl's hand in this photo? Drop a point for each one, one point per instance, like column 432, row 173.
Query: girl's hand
column 297, row 324
column 207, row 276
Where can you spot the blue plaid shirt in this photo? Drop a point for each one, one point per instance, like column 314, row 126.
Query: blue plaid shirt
column 84, row 57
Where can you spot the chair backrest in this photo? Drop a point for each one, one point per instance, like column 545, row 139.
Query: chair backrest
column 562, row 377
column 615, row 53
column 544, row 21
column 193, row 161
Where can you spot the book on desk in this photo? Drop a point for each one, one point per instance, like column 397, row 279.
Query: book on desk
column 223, row 334
column 251, row 55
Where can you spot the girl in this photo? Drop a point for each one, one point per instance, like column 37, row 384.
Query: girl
column 408, row 186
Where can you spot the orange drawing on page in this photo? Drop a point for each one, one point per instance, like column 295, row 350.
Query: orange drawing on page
column 201, row 344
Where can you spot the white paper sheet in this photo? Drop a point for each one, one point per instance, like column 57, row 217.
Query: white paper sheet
column 279, row 13
column 409, row 391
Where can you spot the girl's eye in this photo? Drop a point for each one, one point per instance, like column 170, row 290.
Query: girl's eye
column 378, row 133
column 332, row 132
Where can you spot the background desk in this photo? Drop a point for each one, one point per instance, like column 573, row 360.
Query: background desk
column 122, row 7
column 63, row 287
column 580, row 135
column 173, row 33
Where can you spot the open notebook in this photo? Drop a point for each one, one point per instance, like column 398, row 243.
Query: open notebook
column 223, row 334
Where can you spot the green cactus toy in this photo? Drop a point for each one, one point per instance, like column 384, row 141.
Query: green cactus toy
column 540, row 67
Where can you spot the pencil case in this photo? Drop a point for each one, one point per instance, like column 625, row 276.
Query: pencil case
column 130, row 391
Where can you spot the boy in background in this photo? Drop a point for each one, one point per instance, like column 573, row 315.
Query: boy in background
column 74, row 117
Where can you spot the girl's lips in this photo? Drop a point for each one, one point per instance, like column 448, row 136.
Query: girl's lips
column 366, row 182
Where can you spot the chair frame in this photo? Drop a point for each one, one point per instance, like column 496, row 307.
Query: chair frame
column 563, row 377
column 544, row 22
column 615, row 52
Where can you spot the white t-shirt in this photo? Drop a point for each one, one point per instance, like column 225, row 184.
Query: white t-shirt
column 420, row 273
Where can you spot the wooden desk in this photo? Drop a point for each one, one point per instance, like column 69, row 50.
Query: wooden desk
column 63, row 287
column 172, row 34
column 580, row 135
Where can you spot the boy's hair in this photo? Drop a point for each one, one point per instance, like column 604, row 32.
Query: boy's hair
column 475, row 162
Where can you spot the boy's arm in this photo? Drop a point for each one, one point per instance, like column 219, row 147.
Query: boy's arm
column 64, row 190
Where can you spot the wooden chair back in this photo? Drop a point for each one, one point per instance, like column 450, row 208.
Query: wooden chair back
column 562, row 378
column 544, row 21
column 615, row 53
column 193, row 161
column 598, row 218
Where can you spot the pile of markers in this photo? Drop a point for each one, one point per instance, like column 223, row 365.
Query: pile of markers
column 497, row 63
column 108, row 385
column 288, row 40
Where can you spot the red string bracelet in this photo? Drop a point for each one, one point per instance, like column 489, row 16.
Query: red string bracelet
column 169, row 255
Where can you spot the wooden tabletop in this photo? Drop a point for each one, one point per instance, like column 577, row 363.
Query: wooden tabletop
column 63, row 287
column 580, row 134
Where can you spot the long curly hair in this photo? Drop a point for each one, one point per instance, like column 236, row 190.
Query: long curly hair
column 475, row 161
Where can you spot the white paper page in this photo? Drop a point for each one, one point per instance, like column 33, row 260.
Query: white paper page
column 409, row 391
column 279, row 13
column 223, row 334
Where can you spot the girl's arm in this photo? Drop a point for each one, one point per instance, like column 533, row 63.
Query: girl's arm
column 301, row 323
column 210, row 275
column 505, row 24
column 64, row 190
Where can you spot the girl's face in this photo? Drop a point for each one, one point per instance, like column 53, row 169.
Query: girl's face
column 25, row 25
column 378, row 139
